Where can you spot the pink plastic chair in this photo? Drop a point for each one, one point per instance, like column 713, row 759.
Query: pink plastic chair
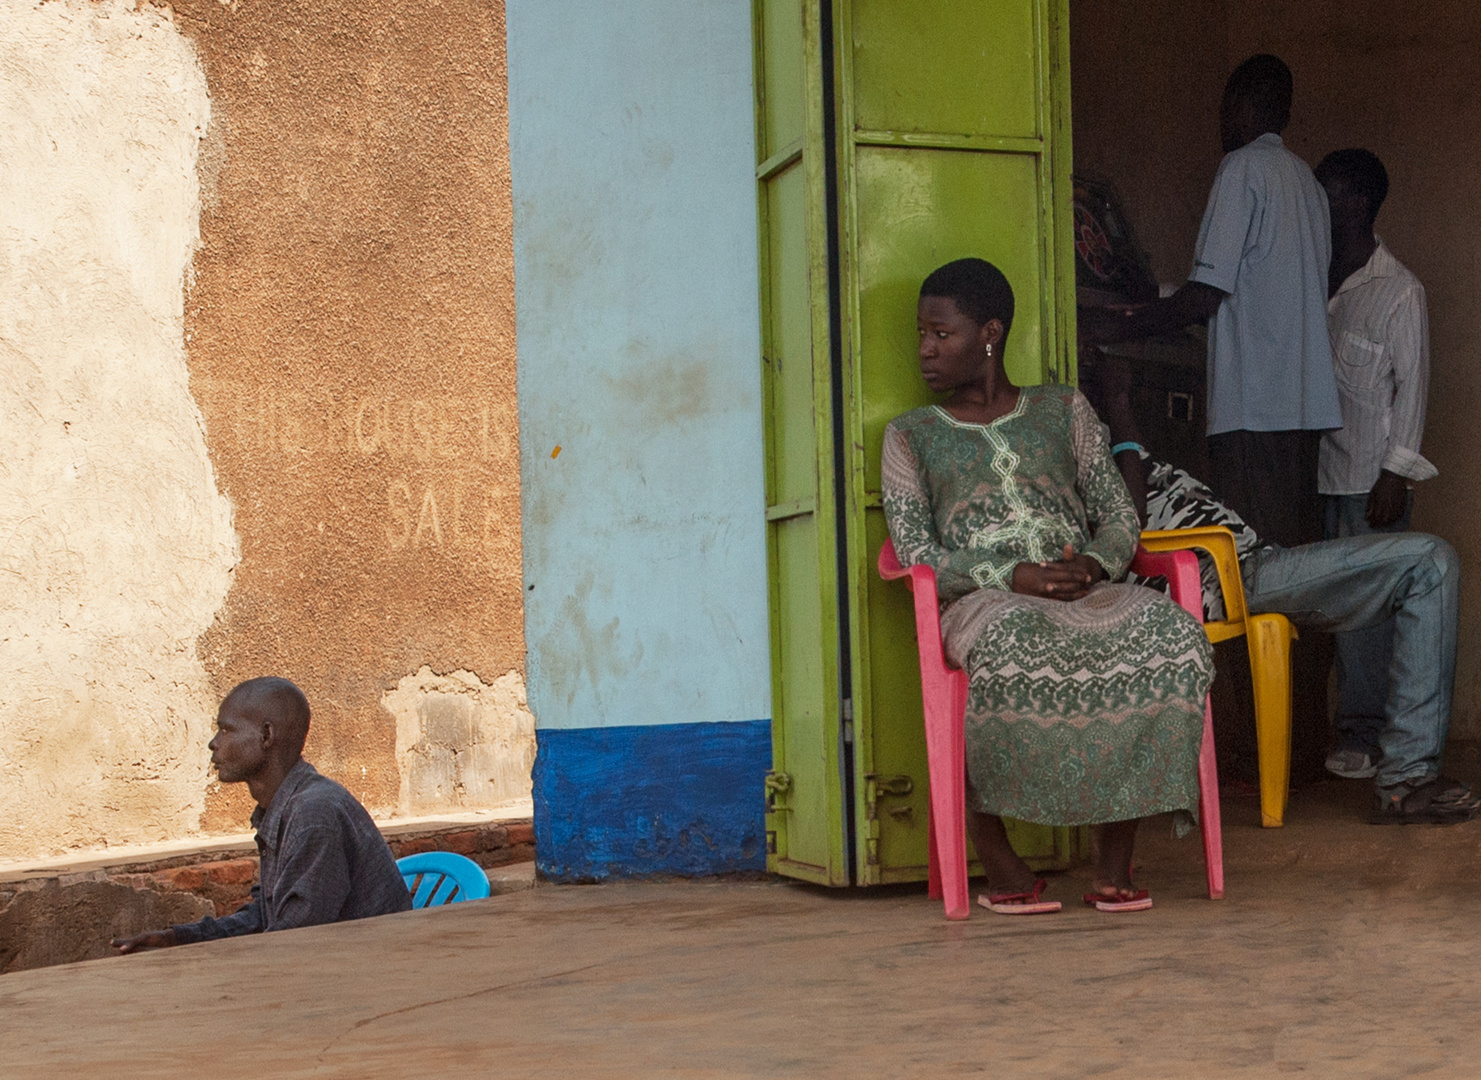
column 944, row 695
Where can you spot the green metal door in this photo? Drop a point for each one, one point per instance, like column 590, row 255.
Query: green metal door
column 807, row 798
column 895, row 135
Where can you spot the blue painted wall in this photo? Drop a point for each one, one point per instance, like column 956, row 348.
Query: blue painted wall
column 669, row 798
column 631, row 146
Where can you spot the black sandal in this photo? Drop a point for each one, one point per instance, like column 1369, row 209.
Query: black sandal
column 1437, row 801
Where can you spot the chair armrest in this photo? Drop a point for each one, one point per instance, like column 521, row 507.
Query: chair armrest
column 922, row 582
column 919, row 576
column 889, row 562
column 1218, row 543
column 1181, row 570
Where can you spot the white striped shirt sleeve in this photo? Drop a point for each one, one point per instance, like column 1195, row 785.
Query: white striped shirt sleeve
column 1409, row 342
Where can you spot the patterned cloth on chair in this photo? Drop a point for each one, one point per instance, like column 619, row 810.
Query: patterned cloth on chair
column 1178, row 500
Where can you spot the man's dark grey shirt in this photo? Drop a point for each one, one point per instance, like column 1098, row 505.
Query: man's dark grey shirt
column 322, row 861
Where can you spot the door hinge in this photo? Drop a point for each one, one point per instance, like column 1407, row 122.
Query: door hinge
column 777, row 783
column 876, row 787
column 848, row 720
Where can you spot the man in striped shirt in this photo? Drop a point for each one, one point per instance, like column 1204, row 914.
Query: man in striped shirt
column 1381, row 354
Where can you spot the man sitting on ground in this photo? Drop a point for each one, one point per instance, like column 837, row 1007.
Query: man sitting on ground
column 322, row 858
column 1329, row 586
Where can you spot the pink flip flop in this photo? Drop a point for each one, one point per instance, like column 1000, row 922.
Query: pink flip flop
column 1021, row 903
column 1140, row 900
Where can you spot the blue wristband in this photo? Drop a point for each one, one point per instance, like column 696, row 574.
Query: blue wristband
column 1120, row 446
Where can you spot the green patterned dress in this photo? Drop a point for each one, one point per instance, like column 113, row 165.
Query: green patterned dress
column 1079, row 712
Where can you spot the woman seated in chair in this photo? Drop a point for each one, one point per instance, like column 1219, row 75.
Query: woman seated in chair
column 1086, row 701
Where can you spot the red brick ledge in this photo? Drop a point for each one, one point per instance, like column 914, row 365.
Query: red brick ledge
column 227, row 882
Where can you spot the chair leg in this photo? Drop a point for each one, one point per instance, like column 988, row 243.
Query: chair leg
column 946, row 756
column 1269, row 639
column 933, row 888
column 1208, row 808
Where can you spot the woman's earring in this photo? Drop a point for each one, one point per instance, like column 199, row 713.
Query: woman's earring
column 989, row 350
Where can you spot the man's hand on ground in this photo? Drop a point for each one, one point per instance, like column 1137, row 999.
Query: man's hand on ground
column 152, row 939
column 1388, row 500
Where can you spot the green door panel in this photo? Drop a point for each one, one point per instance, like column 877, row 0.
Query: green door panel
column 806, row 817
column 807, row 810
column 781, row 97
column 956, row 146
column 789, row 363
column 949, row 129
column 955, row 67
column 932, row 206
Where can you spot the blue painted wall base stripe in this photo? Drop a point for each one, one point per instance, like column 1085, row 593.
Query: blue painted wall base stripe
column 685, row 799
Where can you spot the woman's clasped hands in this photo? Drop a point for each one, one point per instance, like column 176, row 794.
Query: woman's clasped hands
column 1070, row 578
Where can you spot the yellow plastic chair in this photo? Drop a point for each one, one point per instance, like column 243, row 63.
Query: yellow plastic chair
column 1269, row 638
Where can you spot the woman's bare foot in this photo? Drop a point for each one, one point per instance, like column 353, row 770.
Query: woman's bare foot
column 1007, row 874
column 1114, row 842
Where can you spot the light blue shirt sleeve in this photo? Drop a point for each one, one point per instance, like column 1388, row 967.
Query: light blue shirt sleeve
column 1265, row 242
column 1228, row 221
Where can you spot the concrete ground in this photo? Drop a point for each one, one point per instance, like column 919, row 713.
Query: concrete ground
column 1342, row 950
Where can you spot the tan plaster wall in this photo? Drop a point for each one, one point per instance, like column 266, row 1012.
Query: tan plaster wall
column 116, row 548
column 1401, row 78
column 295, row 452
column 351, row 341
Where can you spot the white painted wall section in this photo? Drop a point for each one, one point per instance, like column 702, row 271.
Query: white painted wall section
column 632, row 151
column 461, row 742
column 116, row 548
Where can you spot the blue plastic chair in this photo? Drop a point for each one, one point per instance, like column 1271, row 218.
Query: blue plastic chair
column 435, row 878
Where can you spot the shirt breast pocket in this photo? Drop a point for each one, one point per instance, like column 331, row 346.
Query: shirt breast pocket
column 1359, row 361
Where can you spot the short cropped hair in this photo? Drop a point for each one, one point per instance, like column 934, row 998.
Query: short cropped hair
column 1361, row 171
column 1265, row 82
column 980, row 291
column 277, row 699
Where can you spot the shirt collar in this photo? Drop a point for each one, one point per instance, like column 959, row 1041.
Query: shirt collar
column 266, row 821
column 1270, row 138
column 1380, row 264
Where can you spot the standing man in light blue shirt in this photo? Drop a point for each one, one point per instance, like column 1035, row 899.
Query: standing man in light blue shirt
column 1260, row 280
